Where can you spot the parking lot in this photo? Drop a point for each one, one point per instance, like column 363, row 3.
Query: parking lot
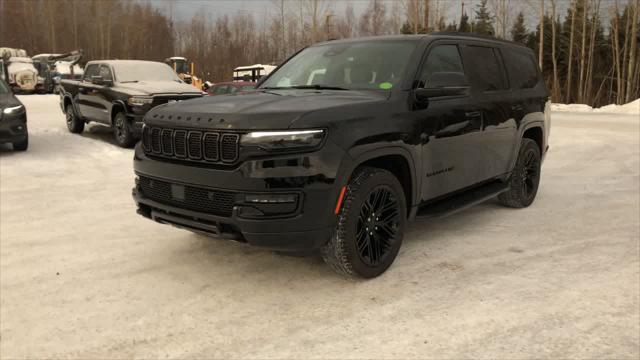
column 81, row 275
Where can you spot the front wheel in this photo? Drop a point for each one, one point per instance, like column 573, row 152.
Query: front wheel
column 74, row 124
column 122, row 131
column 525, row 177
column 370, row 226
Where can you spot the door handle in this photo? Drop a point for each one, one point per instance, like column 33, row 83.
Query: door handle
column 517, row 107
column 473, row 114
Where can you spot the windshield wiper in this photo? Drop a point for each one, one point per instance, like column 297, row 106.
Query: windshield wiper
column 129, row 81
column 313, row 87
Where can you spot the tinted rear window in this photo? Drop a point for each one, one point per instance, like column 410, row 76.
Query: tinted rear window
column 484, row 68
column 522, row 69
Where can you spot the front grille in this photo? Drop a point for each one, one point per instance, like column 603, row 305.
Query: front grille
column 208, row 146
column 208, row 201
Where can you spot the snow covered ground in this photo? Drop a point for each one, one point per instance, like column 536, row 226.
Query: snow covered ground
column 81, row 275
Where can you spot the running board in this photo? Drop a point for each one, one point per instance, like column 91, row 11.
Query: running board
column 455, row 203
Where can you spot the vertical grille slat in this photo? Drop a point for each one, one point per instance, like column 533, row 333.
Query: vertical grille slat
column 155, row 141
column 146, row 144
column 210, row 145
column 192, row 145
column 229, row 147
column 194, row 140
column 180, row 143
column 167, row 142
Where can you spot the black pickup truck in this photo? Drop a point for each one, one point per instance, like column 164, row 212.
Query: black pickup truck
column 118, row 93
column 343, row 144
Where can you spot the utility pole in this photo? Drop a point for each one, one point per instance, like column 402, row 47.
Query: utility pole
column 327, row 24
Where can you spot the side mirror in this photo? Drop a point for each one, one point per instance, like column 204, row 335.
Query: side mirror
column 97, row 80
column 443, row 84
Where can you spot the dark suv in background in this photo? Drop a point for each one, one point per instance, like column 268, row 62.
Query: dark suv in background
column 118, row 93
column 13, row 119
column 348, row 140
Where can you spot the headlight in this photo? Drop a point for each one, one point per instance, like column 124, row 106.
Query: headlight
column 140, row 100
column 283, row 140
column 13, row 110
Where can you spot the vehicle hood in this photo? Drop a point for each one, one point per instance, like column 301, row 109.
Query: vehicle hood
column 273, row 109
column 158, row 88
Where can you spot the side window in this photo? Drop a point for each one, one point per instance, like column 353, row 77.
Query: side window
column 91, row 70
column 232, row 89
column 522, row 69
column 442, row 58
column 220, row 90
column 105, row 72
column 484, row 68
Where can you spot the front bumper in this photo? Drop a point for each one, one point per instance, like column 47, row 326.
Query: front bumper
column 13, row 129
column 308, row 227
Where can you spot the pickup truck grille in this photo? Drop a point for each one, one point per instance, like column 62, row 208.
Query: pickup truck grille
column 193, row 198
column 191, row 145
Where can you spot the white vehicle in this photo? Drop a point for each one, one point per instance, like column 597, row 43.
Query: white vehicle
column 252, row 73
column 22, row 74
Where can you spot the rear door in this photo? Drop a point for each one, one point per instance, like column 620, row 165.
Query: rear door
column 491, row 95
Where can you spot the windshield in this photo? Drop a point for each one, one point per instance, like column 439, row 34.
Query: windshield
column 144, row 71
column 352, row 65
column 4, row 89
column 181, row 66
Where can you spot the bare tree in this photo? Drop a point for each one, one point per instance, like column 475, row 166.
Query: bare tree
column 570, row 58
column 633, row 52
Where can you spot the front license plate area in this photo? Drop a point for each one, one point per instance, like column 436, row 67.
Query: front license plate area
column 177, row 192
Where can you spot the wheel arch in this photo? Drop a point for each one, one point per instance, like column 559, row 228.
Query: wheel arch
column 117, row 106
column 396, row 160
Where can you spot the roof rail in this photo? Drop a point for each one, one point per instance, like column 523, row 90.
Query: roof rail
column 477, row 36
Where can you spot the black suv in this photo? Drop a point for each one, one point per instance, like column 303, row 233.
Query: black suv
column 348, row 140
column 13, row 119
column 119, row 93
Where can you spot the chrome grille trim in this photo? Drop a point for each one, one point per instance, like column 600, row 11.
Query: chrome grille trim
column 191, row 145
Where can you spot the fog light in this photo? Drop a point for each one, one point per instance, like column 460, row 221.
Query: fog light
column 271, row 198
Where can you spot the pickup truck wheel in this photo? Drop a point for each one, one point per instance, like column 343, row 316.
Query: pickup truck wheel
column 74, row 124
column 21, row 145
column 524, row 178
column 122, row 131
column 370, row 225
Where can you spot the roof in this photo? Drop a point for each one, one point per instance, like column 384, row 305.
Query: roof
column 132, row 62
column 419, row 37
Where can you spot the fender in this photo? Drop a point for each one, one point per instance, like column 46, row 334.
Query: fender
column 117, row 103
column 352, row 161
column 529, row 125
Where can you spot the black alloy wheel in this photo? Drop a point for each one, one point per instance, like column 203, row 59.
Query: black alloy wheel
column 370, row 224
column 525, row 177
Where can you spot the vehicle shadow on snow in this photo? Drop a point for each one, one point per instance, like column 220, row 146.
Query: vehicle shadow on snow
column 99, row 132
column 216, row 257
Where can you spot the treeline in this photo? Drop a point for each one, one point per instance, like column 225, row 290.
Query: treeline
column 588, row 53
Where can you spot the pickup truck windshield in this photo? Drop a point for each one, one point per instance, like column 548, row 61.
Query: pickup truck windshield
column 350, row 65
column 133, row 72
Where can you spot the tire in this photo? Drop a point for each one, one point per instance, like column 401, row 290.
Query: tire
column 351, row 250
column 74, row 123
column 122, row 131
column 22, row 145
column 524, row 178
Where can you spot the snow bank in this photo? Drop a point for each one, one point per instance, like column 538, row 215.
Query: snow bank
column 632, row 108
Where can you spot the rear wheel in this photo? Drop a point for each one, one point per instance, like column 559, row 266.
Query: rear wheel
column 370, row 225
column 122, row 131
column 22, row 145
column 74, row 124
column 524, row 178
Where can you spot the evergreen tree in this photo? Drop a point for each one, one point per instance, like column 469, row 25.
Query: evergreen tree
column 484, row 21
column 464, row 24
column 519, row 30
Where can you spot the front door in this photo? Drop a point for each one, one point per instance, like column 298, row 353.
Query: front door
column 450, row 129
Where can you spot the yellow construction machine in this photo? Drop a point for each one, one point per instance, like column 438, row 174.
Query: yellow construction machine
column 185, row 70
